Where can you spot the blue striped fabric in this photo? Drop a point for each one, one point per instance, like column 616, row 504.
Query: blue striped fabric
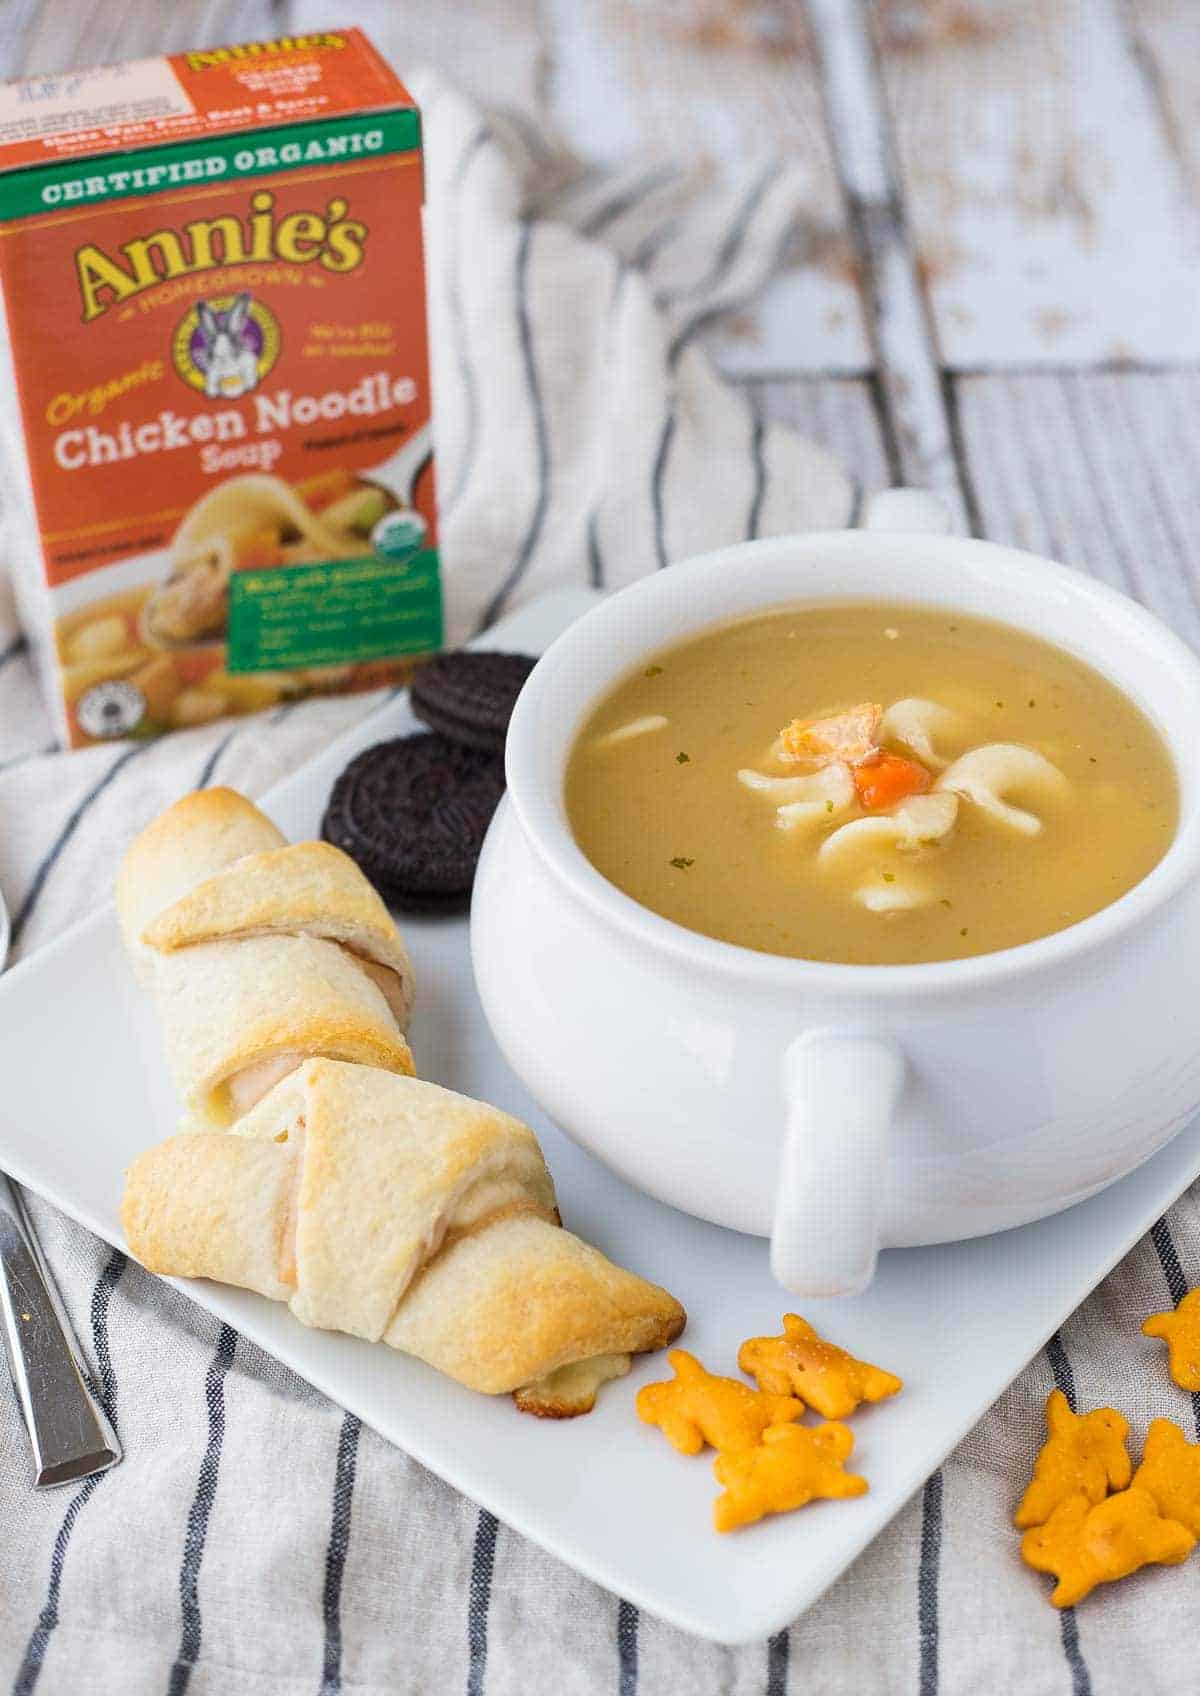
column 479, row 1596
column 778, row 1649
column 335, row 1554
column 927, row 1586
column 199, row 1512
column 448, row 492
column 62, row 837
column 627, row 1649
column 542, row 463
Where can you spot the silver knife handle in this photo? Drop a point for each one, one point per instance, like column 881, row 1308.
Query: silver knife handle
column 68, row 1429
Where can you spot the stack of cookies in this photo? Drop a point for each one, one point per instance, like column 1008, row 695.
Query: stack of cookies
column 413, row 812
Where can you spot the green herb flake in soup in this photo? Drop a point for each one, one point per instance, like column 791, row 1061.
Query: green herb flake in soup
column 867, row 804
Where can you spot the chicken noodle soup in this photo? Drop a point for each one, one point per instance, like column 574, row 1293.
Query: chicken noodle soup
column 213, row 330
column 870, row 783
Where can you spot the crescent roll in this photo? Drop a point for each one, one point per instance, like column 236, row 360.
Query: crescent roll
column 198, row 836
column 258, row 954
column 305, row 888
column 395, row 1210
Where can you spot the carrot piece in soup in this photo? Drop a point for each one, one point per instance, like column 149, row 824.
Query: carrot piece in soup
column 889, row 779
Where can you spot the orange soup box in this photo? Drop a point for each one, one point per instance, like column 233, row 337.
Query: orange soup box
column 216, row 426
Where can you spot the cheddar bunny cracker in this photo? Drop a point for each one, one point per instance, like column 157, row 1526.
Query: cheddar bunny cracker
column 1084, row 1545
column 793, row 1465
column 1084, row 1454
column 1181, row 1331
column 699, row 1407
column 1170, row 1472
column 800, row 1363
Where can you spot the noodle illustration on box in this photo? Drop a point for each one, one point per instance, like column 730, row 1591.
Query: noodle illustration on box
column 214, row 295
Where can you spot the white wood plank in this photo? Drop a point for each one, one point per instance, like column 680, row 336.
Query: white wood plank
column 1054, row 220
column 1100, row 469
column 492, row 48
column 19, row 18
column 1165, row 37
column 839, row 413
column 701, row 83
column 898, row 323
column 63, row 34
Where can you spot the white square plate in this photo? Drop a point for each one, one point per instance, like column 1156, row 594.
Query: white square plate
column 604, row 1493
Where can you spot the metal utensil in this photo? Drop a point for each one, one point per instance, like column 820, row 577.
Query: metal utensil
column 69, row 1431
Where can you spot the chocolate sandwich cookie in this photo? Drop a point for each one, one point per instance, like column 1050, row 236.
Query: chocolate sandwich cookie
column 469, row 697
column 413, row 813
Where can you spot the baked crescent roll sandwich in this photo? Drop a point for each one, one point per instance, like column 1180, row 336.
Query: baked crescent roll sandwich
column 200, row 835
column 400, row 1212
column 258, row 954
column 304, row 889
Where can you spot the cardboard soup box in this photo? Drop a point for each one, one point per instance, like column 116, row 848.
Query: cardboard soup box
column 217, row 461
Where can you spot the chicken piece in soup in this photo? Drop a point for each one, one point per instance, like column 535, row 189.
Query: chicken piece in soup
column 870, row 783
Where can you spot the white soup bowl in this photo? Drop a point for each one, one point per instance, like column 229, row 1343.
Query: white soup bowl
column 839, row 1109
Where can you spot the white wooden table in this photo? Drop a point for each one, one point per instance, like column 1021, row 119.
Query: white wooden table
column 995, row 293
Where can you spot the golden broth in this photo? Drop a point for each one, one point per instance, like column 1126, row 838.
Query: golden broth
column 1037, row 839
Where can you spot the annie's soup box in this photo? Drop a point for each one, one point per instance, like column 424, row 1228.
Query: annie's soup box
column 217, row 447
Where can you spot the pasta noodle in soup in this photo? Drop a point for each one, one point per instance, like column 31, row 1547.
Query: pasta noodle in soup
column 870, row 783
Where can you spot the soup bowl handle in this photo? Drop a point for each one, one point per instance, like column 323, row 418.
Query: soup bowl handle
column 841, row 1090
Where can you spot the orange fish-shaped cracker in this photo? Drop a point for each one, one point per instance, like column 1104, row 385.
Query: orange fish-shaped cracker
column 793, row 1465
column 800, row 1363
column 1084, row 1544
column 1182, row 1332
column 1084, row 1454
column 698, row 1407
column 1170, row 1472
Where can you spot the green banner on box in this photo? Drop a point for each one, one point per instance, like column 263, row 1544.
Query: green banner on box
column 153, row 170
column 347, row 611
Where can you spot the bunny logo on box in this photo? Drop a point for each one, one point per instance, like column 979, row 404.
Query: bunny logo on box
column 225, row 346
